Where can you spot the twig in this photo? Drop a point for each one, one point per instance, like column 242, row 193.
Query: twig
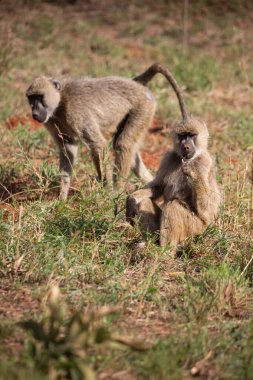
column 244, row 270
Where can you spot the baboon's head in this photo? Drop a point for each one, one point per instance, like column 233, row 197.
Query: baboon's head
column 190, row 137
column 44, row 97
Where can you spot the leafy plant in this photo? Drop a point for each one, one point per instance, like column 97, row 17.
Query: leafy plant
column 62, row 347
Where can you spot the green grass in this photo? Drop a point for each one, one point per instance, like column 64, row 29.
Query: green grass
column 194, row 311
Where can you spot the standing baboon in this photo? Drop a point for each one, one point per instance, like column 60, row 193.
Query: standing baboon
column 185, row 180
column 88, row 110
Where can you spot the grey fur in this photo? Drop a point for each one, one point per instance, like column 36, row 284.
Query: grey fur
column 190, row 194
column 92, row 111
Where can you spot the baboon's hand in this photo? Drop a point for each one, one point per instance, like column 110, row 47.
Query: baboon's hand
column 189, row 168
column 131, row 210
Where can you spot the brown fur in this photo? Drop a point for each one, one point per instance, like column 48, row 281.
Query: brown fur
column 89, row 110
column 188, row 186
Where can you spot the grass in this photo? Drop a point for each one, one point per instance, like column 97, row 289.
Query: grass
column 193, row 313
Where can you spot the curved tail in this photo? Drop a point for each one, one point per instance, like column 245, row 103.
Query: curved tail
column 146, row 77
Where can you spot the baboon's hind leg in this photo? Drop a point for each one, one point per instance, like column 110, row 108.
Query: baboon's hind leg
column 93, row 137
column 178, row 223
column 149, row 217
column 140, row 169
column 126, row 144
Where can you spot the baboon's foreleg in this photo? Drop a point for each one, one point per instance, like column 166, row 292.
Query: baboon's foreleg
column 178, row 223
column 206, row 194
column 68, row 152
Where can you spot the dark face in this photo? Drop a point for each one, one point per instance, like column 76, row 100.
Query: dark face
column 187, row 147
column 39, row 111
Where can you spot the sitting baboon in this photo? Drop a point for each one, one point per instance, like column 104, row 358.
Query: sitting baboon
column 186, row 182
column 88, row 110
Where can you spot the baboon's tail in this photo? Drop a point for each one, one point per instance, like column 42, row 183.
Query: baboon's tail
column 146, row 77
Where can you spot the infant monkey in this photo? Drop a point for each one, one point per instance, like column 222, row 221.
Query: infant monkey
column 186, row 182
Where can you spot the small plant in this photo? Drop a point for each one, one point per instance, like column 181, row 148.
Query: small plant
column 63, row 349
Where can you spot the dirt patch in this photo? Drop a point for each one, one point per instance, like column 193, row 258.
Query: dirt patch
column 16, row 121
column 15, row 306
column 15, row 303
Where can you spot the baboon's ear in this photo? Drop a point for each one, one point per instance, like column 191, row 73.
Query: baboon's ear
column 56, row 84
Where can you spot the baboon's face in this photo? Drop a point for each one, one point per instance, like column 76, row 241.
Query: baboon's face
column 43, row 96
column 190, row 137
column 185, row 145
column 39, row 111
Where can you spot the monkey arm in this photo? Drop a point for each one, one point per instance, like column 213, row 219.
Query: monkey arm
column 201, row 199
column 206, row 197
column 207, row 200
column 68, row 152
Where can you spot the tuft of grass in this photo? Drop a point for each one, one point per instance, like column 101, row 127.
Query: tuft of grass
column 64, row 345
column 222, row 291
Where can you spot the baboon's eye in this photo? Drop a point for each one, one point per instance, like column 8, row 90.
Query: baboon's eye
column 193, row 137
column 40, row 99
column 35, row 100
column 182, row 136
